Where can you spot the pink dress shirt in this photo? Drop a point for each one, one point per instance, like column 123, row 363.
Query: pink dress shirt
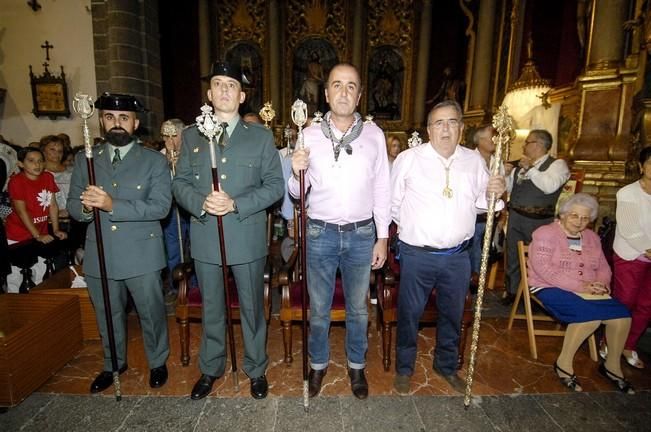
column 354, row 188
column 552, row 264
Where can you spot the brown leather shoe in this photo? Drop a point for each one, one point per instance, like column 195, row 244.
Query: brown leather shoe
column 314, row 380
column 454, row 381
column 358, row 383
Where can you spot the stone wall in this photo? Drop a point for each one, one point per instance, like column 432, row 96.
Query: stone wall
column 127, row 54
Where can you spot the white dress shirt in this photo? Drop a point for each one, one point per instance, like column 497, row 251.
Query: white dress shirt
column 633, row 232
column 425, row 217
column 548, row 181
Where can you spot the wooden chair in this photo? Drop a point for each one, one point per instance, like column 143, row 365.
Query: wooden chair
column 388, row 286
column 291, row 311
column 189, row 305
column 526, row 296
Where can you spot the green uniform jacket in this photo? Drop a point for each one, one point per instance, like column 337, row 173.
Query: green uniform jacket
column 249, row 172
column 141, row 192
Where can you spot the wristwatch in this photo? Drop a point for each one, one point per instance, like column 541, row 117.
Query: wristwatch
column 235, row 210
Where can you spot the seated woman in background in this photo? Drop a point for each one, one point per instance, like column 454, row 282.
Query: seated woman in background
column 52, row 147
column 632, row 257
column 570, row 276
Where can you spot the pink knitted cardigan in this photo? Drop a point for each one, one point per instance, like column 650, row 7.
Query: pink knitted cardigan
column 551, row 263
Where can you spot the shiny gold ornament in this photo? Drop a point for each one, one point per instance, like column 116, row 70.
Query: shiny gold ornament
column 267, row 114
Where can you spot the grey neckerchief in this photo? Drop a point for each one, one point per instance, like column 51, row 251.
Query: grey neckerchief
column 346, row 139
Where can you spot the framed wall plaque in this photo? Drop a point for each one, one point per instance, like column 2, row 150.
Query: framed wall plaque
column 49, row 94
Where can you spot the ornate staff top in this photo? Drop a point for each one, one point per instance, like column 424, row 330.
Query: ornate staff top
column 83, row 105
column 415, row 140
column 168, row 129
column 267, row 113
column 299, row 117
column 503, row 124
column 207, row 123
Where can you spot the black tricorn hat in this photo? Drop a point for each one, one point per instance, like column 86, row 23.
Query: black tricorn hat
column 226, row 69
column 118, row 102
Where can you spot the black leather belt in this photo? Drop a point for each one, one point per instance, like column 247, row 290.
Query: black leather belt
column 341, row 228
column 534, row 212
column 447, row 251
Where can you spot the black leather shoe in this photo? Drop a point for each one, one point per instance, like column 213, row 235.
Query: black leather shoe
column 202, row 387
column 158, row 376
column 259, row 387
column 507, row 300
column 314, row 381
column 358, row 383
column 105, row 379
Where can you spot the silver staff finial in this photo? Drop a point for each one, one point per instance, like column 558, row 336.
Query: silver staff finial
column 168, row 129
column 415, row 140
column 299, row 117
column 83, row 105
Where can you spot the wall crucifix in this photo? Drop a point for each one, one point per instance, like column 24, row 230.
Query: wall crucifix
column 47, row 47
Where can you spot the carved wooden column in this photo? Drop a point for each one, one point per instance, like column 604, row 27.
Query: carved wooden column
column 483, row 59
column 606, row 87
column 274, row 62
column 356, row 58
column 421, row 66
column 205, row 59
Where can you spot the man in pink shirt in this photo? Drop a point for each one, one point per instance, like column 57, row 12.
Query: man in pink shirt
column 347, row 186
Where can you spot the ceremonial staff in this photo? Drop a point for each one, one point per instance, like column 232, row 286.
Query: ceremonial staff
column 207, row 125
column 83, row 105
column 503, row 124
column 299, row 117
column 170, row 131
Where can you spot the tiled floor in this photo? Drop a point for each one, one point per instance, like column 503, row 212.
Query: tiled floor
column 511, row 391
column 504, row 365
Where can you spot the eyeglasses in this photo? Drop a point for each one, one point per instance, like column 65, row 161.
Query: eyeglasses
column 451, row 123
column 576, row 217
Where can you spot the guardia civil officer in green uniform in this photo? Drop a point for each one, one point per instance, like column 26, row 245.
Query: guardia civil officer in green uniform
column 251, row 180
column 133, row 193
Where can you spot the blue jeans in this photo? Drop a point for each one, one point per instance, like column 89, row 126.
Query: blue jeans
column 350, row 252
column 420, row 272
column 476, row 246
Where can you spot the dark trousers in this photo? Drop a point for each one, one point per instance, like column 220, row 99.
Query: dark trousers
column 520, row 228
column 420, row 272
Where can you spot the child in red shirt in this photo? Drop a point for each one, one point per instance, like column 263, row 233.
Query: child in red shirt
column 32, row 193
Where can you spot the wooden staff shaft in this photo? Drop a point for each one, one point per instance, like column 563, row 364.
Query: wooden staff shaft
column 227, row 295
column 104, row 281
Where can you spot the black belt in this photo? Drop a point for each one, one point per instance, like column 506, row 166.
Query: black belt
column 534, row 212
column 341, row 228
column 447, row 251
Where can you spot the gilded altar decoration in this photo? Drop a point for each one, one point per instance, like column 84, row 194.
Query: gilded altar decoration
column 267, row 114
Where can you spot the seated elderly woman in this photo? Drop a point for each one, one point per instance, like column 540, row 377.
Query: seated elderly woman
column 570, row 276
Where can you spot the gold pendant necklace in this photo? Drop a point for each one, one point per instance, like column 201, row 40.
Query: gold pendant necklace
column 447, row 191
